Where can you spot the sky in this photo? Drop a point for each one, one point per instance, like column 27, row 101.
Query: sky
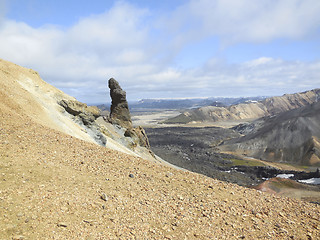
column 166, row 49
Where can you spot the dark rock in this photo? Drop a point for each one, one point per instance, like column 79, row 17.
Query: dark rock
column 260, row 171
column 139, row 136
column 119, row 112
column 306, row 175
column 73, row 107
column 120, row 115
column 88, row 114
column 131, row 175
column 87, row 119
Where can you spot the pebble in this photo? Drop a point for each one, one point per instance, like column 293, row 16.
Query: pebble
column 104, row 197
column 62, row 224
column 131, row 175
column 169, row 174
column 18, row 237
column 20, row 215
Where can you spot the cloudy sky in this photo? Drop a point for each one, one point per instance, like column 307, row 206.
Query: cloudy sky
column 166, row 49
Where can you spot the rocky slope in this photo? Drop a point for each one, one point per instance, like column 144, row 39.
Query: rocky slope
column 292, row 136
column 54, row 185
column 51, row 107
column 251, row 110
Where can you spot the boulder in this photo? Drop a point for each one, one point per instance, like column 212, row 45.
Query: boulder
column 73, row 107
column 139, row 136
column 88, row 114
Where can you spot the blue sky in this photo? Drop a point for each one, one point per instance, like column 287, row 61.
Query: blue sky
column 166, row 49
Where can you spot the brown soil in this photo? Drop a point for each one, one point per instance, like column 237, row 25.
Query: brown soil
column 52, row 185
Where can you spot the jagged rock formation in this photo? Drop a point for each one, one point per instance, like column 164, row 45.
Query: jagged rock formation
column 119, row 112
column 252, row 110
column 85, row 116
column 88, row 114
column 139, row 136
column 120, row 115
column 292, row 136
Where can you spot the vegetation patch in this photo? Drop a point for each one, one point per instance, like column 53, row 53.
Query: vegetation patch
column 182, row 119
column 249, row 163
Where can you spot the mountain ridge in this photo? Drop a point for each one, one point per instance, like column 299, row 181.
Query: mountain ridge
column 252, row 110
column 292, row 136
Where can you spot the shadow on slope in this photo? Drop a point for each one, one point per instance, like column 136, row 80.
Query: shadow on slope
column 292, row 137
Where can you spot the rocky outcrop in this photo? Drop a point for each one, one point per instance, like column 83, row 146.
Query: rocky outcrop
column 138, row 136
column 85, row 116
column 115, row 127
column 86, row 113
column 120, row 115
column 119, row 112
column 292, row 136
column 251, row 110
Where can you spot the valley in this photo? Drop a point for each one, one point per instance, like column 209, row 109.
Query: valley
column 195, row 147
column 70, row 172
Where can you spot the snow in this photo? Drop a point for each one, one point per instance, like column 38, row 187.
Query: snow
column 285, row 175
column 311, row 181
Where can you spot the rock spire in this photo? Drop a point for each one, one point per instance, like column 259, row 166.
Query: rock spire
column 120, row 115
column 119, row 112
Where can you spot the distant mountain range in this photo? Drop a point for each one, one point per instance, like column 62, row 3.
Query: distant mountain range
column 249, row 109
column 187, row 103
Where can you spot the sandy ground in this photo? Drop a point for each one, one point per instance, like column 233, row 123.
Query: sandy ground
column 154, row 119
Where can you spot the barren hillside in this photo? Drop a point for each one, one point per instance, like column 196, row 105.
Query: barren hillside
column 54, row 185
column 251, row 110
column 291, row 136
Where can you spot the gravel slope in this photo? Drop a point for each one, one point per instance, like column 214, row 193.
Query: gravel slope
column 55, row 186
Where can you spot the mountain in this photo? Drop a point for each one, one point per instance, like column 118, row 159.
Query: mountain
column 292, row 136
column 57, row 182
column 187, row 103
column 249, row 109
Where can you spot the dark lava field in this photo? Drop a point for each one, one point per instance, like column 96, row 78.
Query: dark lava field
column 194, row 149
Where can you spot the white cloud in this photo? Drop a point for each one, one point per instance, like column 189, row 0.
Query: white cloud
column 263, row 76
column 112, row 44
column 245, row 20
column 121, row 43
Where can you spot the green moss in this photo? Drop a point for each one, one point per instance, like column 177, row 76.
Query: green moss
column 242, row 162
